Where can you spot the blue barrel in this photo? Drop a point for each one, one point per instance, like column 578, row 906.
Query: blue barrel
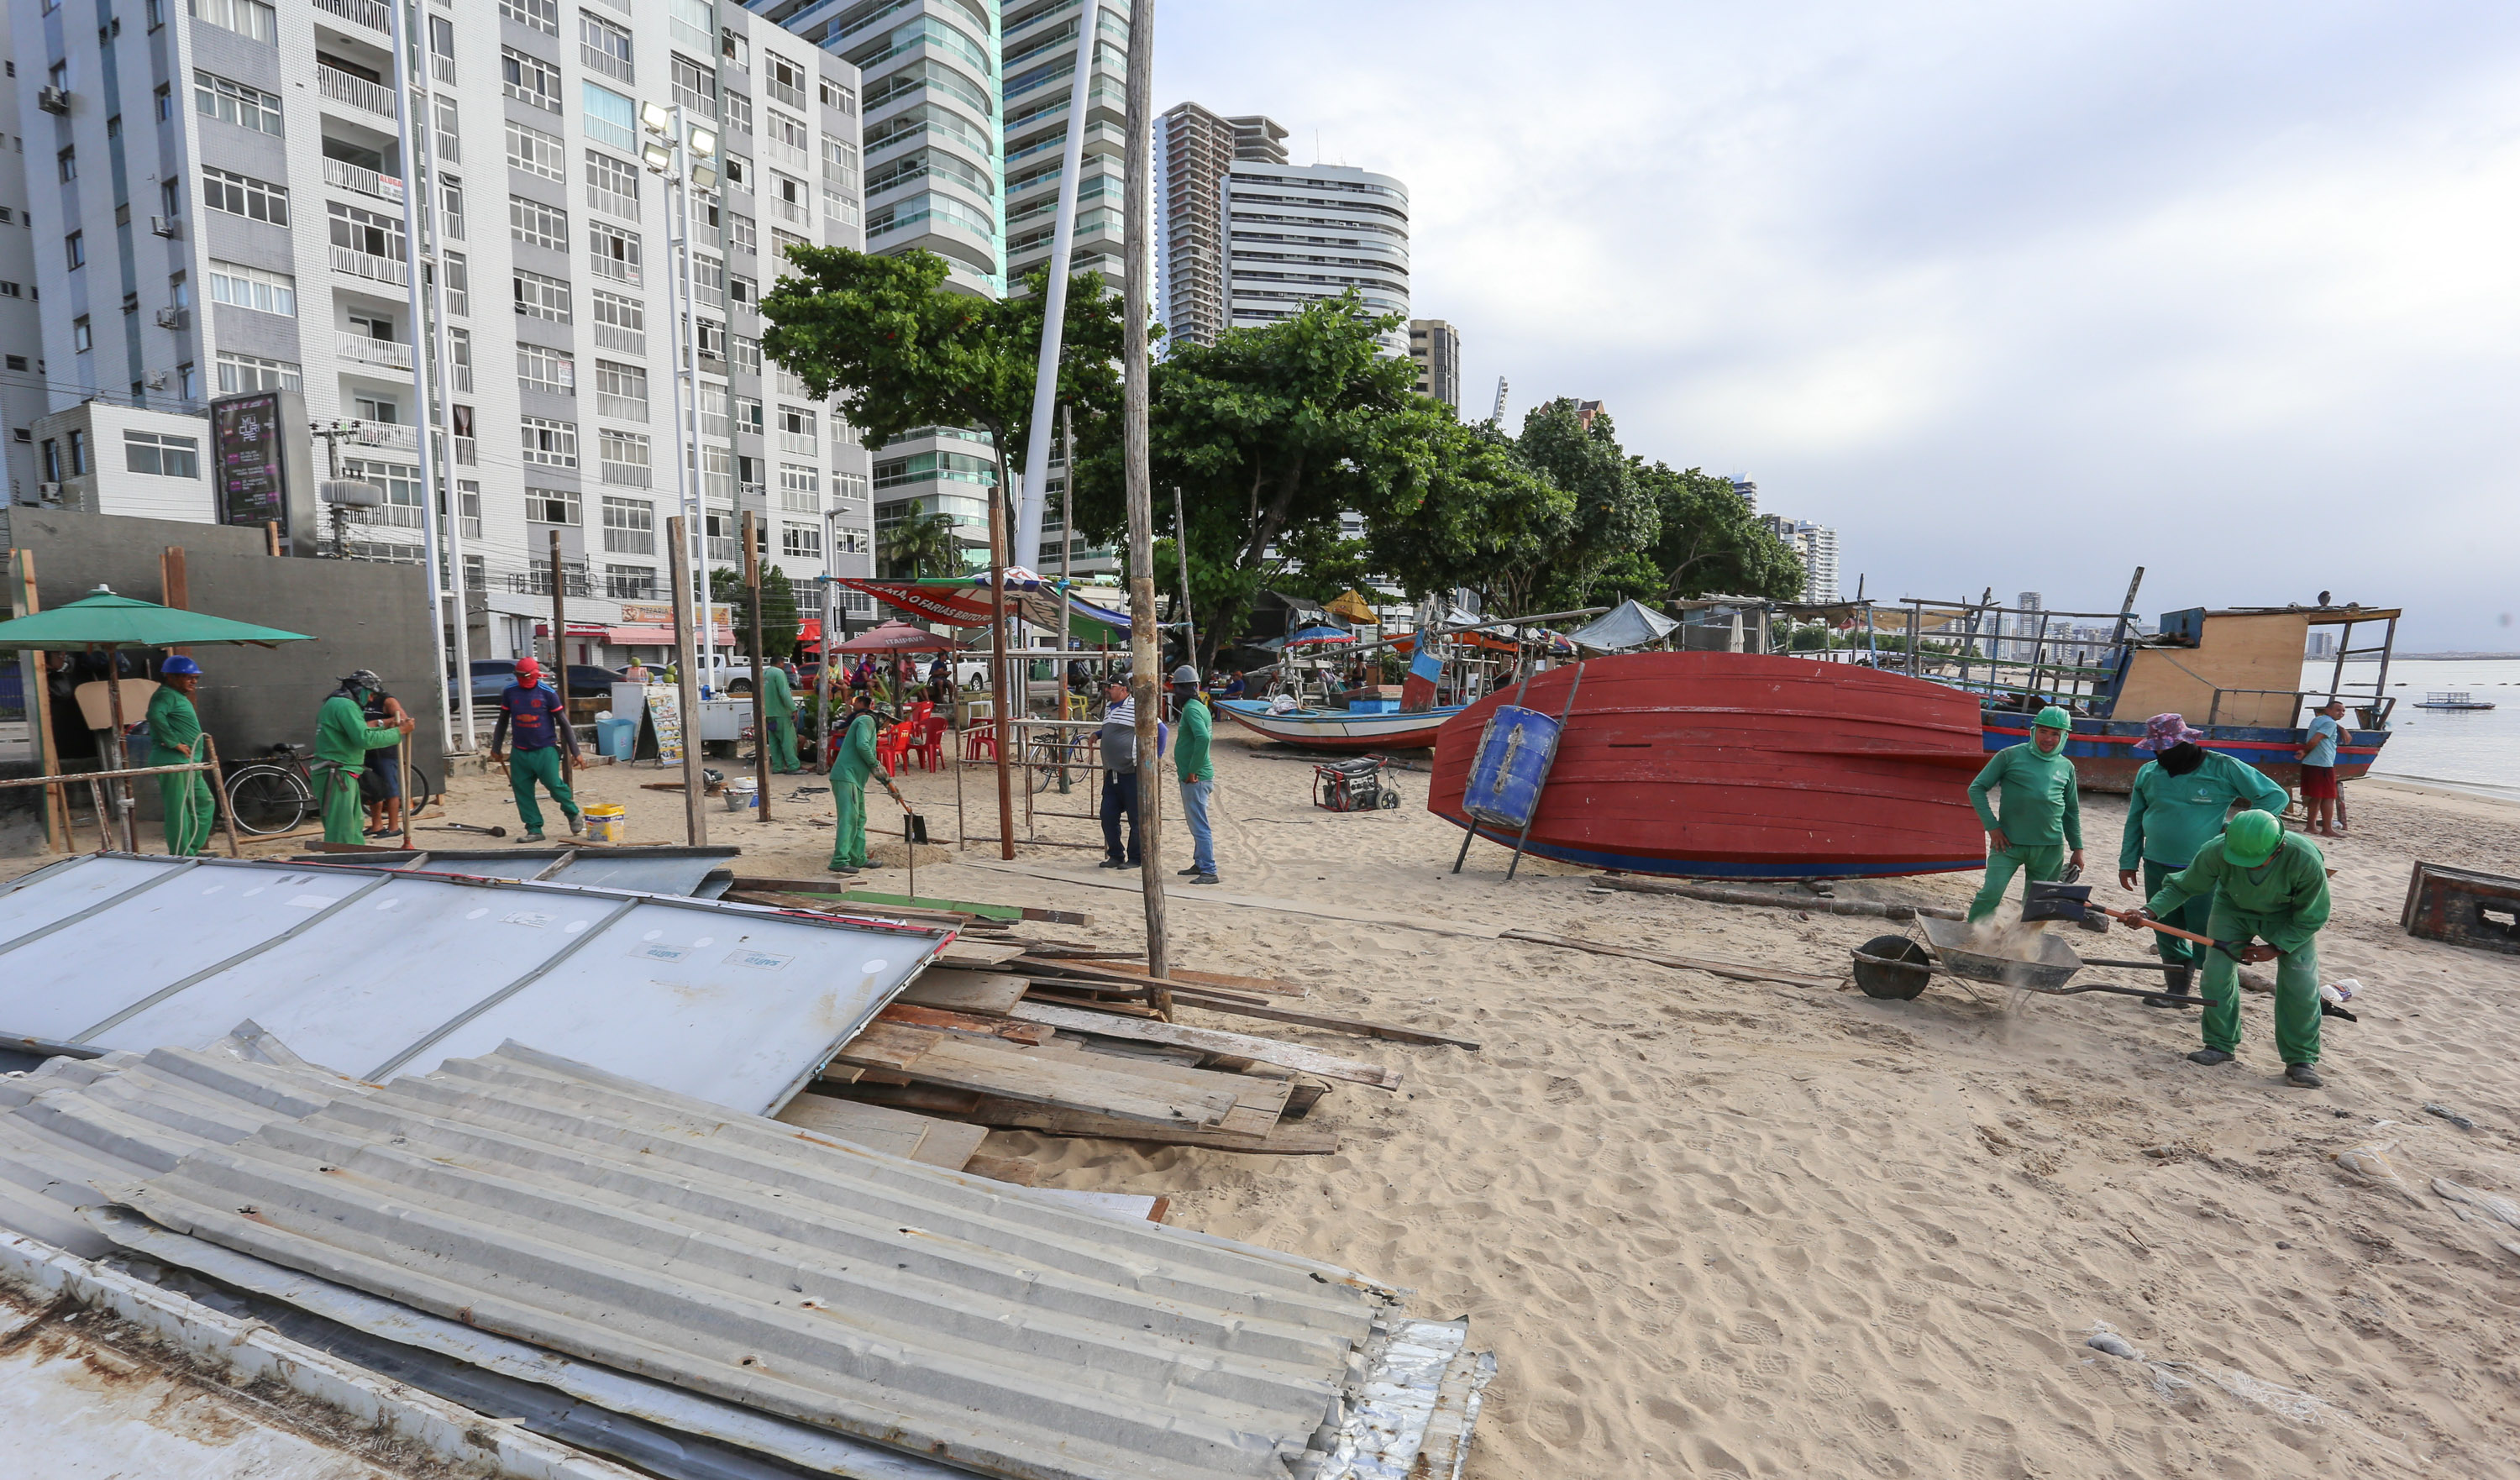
column 615, row 737
column 1512, row 762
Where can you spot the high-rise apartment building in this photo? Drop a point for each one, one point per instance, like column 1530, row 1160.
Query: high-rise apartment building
column 1815, row 545
column 223, row 212
column 1194, row 151
column 1296, row 234
column 1748, row 489
column 1437, row 348
column 21, row 335
column 1041, row 47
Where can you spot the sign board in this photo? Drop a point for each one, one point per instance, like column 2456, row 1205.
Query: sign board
column 661, row 614
column 665, row 721
column 263, row 470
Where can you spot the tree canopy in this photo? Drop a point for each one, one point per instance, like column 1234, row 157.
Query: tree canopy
column 922, row 544
column 779, row 619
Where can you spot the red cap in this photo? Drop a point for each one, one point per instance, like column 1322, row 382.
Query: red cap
column 528, row 670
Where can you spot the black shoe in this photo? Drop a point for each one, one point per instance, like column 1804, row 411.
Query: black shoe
column 840, row 869
column 1113, row 862
column 2302, row 1075
column 1204, row 878
column 2209, row 1056
column 1190, row 873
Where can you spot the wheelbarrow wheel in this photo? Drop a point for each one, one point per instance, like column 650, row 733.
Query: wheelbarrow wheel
column 1900, row 982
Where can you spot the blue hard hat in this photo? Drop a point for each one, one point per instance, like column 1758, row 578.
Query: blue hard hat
column 178, row 665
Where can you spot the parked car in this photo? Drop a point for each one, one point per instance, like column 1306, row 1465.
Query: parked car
column 491, row 677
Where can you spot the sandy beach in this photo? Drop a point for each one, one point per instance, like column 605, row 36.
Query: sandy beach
column 1717, row 1227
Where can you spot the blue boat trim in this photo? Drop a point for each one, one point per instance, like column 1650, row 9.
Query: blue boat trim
column 1626, row 863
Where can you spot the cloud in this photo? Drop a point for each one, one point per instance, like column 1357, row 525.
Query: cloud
column 2014, row 295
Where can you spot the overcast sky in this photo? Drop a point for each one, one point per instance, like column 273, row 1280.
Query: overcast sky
column 2011, row 295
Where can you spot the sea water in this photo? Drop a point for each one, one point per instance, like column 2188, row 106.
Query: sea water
column 2472, row 749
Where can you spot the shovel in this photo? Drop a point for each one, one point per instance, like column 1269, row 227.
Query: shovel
column 461, row 828
column 914, row 830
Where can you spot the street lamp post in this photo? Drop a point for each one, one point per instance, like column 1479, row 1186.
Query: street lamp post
column 682, row 151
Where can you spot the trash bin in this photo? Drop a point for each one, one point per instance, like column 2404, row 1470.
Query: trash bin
column 615, row 737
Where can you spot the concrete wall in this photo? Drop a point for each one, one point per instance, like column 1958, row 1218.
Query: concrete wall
column 361, row 613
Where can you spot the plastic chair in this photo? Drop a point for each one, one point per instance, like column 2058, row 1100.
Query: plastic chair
column 888, row 749
column 922, row 728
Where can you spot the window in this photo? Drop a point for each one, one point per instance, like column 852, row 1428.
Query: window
column 541, row 297
column 796, row 430
column 610, row 118
column 739, row 169
column 742, row 291
column 786, row 138
column 839, row 162
column 800, row 489
column 615, row 252
column 848, row 489
column 619, row 323
column 628, row 583
column 82, row 336
column 13, row 291
column 612, row 185
column 842, row 98
column 542, row 14
column 747, row 415
column 66, row 161
column 255, row 288
column 551, row 506
column 451, row 196
column 379, row 409
column 621, row 390
column 553, row 371
column 442, row 48
column 717, row 476
column 551, row 444
column 450, row 145
column 467, row 499
column 536, row 152
column 787, row 200
column 782, row 79
column 739, row 112
column 711, row 336
column 179, row 292
column 695, row 86
column 244, row 195
column 536, row 224
column 740, row 234
column 696, row 24
column 458, row 360
column 734, row 49
column 162, row 453
column 529, row 79
column 78, row 453
column 364, row 231
column 74, row 247
column 187, row 383
column 171, row 195
column 459, row 284
column 748, row 355
column 166, row 103
column 605, row 47
column 708, row 281
column 625, row 456
column 838, row 207
column 246, row 18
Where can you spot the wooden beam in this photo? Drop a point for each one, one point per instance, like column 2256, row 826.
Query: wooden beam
column 1014, row 1115
column 1738, row 971
column 1268, row 986
column 1033, row 1076
column 1216, row 1001
column 961, row 991
column 945, row 1020
column 881, row 1128
column 1211, row 1041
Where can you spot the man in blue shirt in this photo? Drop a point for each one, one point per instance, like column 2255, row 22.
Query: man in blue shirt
column 2319, row 767
column 542, row 728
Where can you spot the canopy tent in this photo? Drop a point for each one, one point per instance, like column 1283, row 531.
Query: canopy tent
column 1627, row 625
column 964, row 602
column 898, row 637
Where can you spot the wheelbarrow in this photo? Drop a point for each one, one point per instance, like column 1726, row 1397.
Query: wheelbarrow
column 1896, row 968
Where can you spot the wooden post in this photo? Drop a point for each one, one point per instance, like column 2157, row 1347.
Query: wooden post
column 174, row 589
column 124, row 805
column 559, row 647
column 24, row 601
column 1146, row 651
column 403, row 770
column 219, row 795
column 999, row 718
column 271, row 538
column 687, row 684
column 760, row 667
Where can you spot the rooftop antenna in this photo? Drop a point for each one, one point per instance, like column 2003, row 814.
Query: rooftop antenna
column 1496, row 417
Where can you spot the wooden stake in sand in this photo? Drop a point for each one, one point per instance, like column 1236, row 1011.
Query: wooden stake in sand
column 1145, row 653
column 760, row 662
column 687, row 684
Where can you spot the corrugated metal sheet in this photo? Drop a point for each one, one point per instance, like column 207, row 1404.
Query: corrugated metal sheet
column 378, row 971
column 648, row 871
column 743, row 1259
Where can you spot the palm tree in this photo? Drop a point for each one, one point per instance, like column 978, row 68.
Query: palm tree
column 922, row 544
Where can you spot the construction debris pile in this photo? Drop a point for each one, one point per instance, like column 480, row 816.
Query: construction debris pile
column 663, row 1274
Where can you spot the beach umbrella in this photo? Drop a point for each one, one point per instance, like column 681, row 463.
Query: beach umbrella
column 1321, row 635
column 898, row 637
column 103, row 622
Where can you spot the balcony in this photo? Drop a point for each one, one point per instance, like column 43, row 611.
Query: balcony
column 468, row 455
column 791, row 211
column 626, row 341
column 357, row 92
column 394, row 354
column 361, row 264
column 368, row 13
column 367, row 182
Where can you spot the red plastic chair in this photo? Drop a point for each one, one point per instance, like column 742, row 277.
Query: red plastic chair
column 934, row 736
column 890, row 748
column 925, row 727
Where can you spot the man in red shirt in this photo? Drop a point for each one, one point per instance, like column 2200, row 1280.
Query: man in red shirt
column 541, row 729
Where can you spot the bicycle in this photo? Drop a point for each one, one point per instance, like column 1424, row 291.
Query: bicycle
column 277, row 795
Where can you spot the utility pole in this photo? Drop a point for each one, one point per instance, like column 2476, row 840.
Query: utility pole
column 760, row 668
column 687, row 684
column 1003, row 698
column 1146, row 654
column 560, row 640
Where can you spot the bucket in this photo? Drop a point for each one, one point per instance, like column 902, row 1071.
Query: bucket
column 605, row 823
column 738, row 793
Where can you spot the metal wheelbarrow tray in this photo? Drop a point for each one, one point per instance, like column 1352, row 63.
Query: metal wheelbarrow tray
column 1895, row 966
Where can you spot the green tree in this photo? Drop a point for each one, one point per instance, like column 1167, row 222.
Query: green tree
column 779, row 617
column 1614, row 515
column 900, row 349
column 1483, row 521
column 1708, row 543
column 1270, row 432
column 922, row 544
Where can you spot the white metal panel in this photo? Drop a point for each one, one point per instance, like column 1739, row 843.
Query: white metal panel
column 53, row 894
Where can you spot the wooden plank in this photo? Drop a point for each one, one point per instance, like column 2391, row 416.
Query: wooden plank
column 960, row 990
column 944, row 1021
column 837, row 887
column 1213, row 1041
column 1022, row 1171
column 1738, row 971
column 1034, row 1076
column 837, row 907
column 1099, row 1005
column 1123, row 974
column 1258, row 1103
column 1218, row 1002
column 972, row 954
column 1271, row 986
column 1014, row 1115
column 896, row 1132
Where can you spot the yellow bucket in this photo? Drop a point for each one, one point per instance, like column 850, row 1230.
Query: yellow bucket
column 607, row 823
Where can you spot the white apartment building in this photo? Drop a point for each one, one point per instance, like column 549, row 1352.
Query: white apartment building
column 1436, row 347
column 222, row 211
column 1299, row 233
column 22, row 349
column 1815, row 544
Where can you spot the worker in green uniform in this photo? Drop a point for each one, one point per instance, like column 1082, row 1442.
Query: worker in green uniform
column 2180, row 798
column 2270, row 893
column 779, row 717
column 175, row 739
column 342, row 740
column 2042, row 814
column 853, row 760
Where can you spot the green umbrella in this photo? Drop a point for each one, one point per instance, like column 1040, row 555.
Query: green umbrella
column 104, row 621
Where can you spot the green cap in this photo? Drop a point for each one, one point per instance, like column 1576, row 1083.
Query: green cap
column 2251, row 838
column 2054, row 718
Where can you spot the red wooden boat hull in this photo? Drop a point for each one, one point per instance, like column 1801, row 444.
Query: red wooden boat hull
column 1727, row 765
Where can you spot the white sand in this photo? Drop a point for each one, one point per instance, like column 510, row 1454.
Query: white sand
column 1725, row 1229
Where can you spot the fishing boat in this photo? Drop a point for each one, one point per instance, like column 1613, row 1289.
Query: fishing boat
column 2453, row 698
column 1365, row 728
column 1730, row 765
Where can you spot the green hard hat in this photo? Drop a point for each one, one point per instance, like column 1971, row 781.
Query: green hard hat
column 2251, row 838
column 2054, row 718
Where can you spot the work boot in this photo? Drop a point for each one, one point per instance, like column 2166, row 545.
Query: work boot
column 531, row 837
column 2209, row 1056
column 1190, row 873
column 577, row 820
column 1113, row 862
column 1204, row 878
column 2178, row 978
column 841, row 868
column 2302, row 1075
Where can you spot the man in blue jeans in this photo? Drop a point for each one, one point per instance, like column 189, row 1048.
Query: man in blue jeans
column 1119, row 776
column 1198, row 772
